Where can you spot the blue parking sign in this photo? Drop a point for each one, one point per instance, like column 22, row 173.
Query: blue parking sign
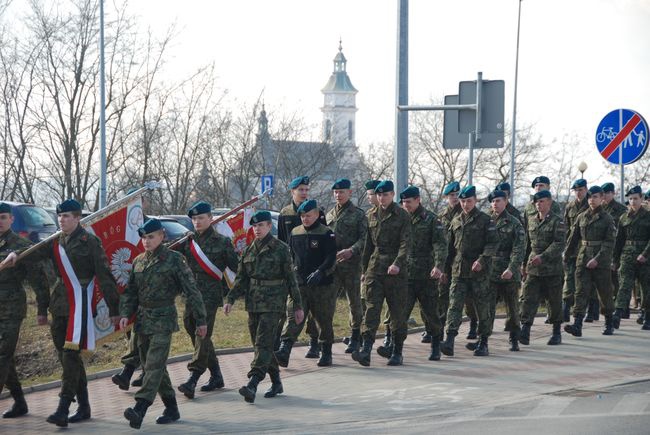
column 266, row 183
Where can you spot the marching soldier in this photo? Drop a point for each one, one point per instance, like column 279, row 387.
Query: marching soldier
column 591, row 241
column 158, row 275
column 208, row 254
column 543, row 274
column 13, row 308
column 472, row 244
column 265, row 277
column 349, row 224
column 385, row 273
column 511, row 209
column 571, row 212
column 313, row 248
column 615, row 210
column 631, row 255
column 427, row 256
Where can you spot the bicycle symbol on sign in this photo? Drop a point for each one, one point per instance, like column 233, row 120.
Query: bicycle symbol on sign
column 607, row 133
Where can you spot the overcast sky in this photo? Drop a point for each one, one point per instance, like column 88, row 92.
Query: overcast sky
column 579, row 59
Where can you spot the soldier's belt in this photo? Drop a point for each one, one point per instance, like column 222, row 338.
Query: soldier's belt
column 269, row 282
column 590, row 243
column 636, row 242
column 155, row 304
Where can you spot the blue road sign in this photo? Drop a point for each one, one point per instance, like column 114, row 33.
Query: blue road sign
column 266, row 183
column 622, row 129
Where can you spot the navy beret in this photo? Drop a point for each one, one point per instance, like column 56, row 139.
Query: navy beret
column 594, row 189
column 5, row 208
column 608, row 187
column 467, row 192
column 306, row 206
column 385, row 186
column 199, row 207
column 68, row 205
column 541, row 179
column 410, row 192
column 454, row 186
column 341, row 183
column 541, row 195
column 496, row 194
column 371, row 184
column 260, row 216
column 298, row 181
column 634, row 190
column 581, row 182
column 149, row 226
column 503, row 186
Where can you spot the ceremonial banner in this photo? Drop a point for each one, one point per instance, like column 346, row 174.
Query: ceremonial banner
column 238, row 229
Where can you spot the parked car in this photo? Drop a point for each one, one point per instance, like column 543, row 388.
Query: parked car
column 31, row 221
column 173, row 229
column 182, row 219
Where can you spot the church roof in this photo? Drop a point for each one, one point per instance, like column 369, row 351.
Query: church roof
column 339, row 81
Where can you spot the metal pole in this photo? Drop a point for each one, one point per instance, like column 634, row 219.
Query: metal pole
column 514, row 116
column 470, row 161
column 477, row 133
column 401, row 117
column 102, row 110
column 621, row 189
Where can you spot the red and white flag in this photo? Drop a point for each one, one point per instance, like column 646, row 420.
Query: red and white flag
column 239, row 230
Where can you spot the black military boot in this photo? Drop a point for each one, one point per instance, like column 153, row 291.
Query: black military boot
column 388, row 338
column 19, row 407
column 136, row 414
column 447, row 346
column 386, row 350
column 326, row 355
column 171, row 412
column 83, row 410
column 566, row 309
column 123, row 378
column 640, row 320
column 556, row 338
column 514, row 341
column 506, row 328
column 284, row 352
column 396, row 358
column 576, row 328
column 249, row 390
column 626, row 313
column 312, row 352
column 594, row 306
column 216, row 378
column 189, row 387
column 355, row 341
column 137, row 382
column 60, row 416
column 609, row 325
column 646, row 323
column 616, row 318
column 363, row 356
column 435, row 348
column 482, row 348
column 276, row 386
column 426, row 337
column 524, row 335
column 473, row 324
column 472, row 345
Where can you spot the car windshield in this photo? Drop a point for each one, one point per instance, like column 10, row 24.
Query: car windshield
column 173, row 230
column 36, row 216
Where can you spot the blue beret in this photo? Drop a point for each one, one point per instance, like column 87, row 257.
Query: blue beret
column 541, row 195
column 634, row 190
column 260, row 216
column 541, row 179
column 385, row 186
column 467, row 192
column 496, row 194
column 594, row 189
column 410, row 192
column 454, row 186
column 503, row 186
column 199, row 207
column 5, row 208
column 341, row 183
column 149, row 226
column 581, row 182
column 371, row 184
column 298, row 181
column 68, row 205
column 306, row 206
column 608, row 187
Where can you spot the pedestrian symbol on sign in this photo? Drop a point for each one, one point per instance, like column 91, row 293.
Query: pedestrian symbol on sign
column 622, row 136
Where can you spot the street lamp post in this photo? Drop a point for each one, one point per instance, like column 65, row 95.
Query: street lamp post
column 582, row 167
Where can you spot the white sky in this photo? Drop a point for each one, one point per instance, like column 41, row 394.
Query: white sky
column 579, row 59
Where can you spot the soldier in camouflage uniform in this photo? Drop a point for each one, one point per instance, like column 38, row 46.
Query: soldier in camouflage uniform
column 571, row 212
column 511, row 209
column 385, row 273
column 615, row 210
column 158, row 275
column 631, row 255
column 220, row 253
column 265, row 277
column 592, row 242
column 543, row 275
column 349, row 224
column 13, row 308
column 427, row 256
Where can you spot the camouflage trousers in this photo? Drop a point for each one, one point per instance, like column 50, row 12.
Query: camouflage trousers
column 508, row 292
column 479, row 291
column 425, row 291
column 347, row 281
column 630, row 272
column 587, row 282
column 320, row 302
column 443, row 295
column 204, row 353
column 9, row 332
column 541, row 287
column 132, row 357
column 73, row 379
column 263, row 328
column 154, row 351
column 569, row 289
column 394, row 290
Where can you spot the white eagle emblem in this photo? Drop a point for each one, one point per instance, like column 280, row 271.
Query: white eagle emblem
column 120, row 266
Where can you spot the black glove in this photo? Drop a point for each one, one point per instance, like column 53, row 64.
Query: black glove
column 315, row 277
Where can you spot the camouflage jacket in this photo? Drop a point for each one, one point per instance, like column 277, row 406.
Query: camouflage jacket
column 428, row 247
column 615, row 209
column 448, row 214
column 289, row 219
column 633, row 236
column 265, row 277
column 13, row 301
column 156, row 279
column 350, row 225
column 221, row 253
column 472, row 237
column 88, row 259
column 513, row 211
column 530, row 212
column 387, row 241
column 511, row 249
column 593, row 236
column 546, row 238
column 571, row 212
